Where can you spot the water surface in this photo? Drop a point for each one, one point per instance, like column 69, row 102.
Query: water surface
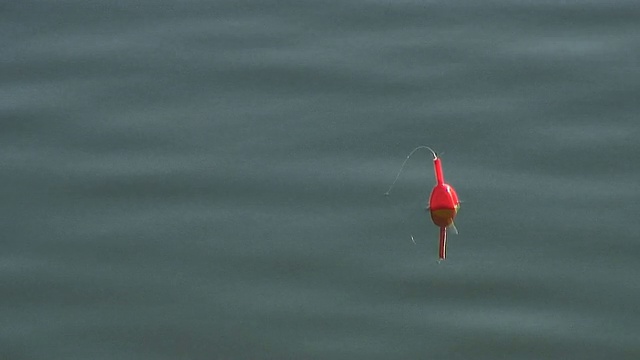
column 204, row 180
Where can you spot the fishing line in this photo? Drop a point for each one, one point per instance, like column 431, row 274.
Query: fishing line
column 435, row 156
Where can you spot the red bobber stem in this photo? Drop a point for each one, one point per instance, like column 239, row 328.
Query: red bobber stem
column 437, row 166
column 442, row 253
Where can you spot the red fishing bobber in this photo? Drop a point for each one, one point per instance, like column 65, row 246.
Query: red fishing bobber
column 443, row 205
column 443, row 202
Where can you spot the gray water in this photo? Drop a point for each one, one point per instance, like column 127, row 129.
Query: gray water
column 205, row 179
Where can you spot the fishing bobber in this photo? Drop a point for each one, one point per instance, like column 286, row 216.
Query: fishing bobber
column 443, row 202
column 443, row 205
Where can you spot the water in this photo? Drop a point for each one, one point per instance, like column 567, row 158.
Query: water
column 204, row 180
